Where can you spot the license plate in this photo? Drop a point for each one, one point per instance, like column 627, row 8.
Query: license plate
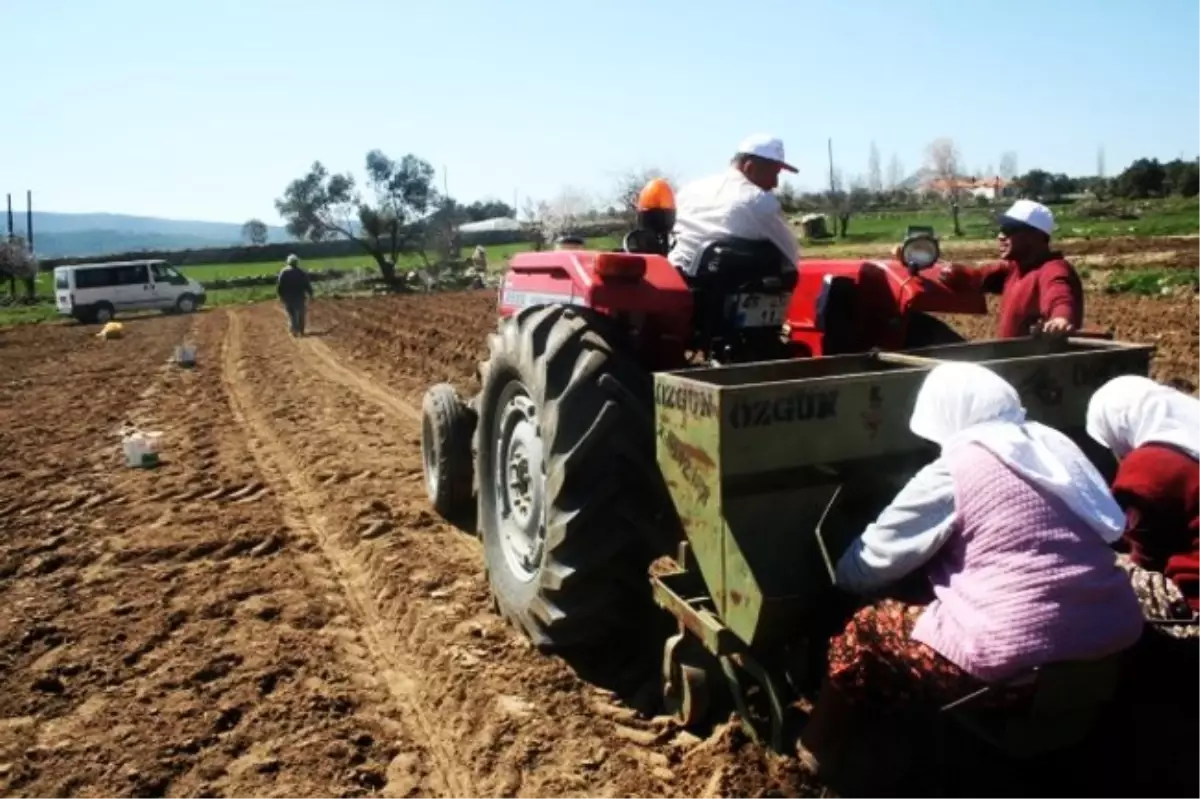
column 759, row 310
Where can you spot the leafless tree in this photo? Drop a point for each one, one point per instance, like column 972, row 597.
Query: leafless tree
column 532, row 214
column 255, row 231
column 16, row 261
column 562, row 213
column 895, row 173
column 546, row 220
column 835, row 198
column 1008, row 165
column 789, row 198
column 857, row 199
column 874, row 172
column 846, row 200
column 944, row 160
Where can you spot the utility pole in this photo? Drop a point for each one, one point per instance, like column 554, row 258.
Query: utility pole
column 831, row 187
column 10, row 233
column 29, row 220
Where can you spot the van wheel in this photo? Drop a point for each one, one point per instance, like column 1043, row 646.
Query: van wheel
column 103, row 313
column 186, row 304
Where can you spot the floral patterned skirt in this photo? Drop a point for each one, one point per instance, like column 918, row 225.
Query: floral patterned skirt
column 1161, row 601
column 876, row 663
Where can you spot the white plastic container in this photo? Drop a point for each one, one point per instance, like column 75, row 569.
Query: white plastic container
column 141, row 448
column 185, row 355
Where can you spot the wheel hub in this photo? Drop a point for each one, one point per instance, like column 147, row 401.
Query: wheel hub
column 428, row 456
column 519, row 479
column 520, row 490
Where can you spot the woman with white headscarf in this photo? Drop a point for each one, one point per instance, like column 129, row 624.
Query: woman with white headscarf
column 1155, row 432
column 1013, row 526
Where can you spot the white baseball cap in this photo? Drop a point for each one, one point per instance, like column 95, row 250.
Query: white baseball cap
column 1029, row 214
column 762, row 145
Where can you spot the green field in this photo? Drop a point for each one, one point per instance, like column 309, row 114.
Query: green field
column 46, row 311
column 1172, row 217
column 205, row 272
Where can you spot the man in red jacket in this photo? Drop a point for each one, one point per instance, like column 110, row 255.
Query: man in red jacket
column 1038, row 287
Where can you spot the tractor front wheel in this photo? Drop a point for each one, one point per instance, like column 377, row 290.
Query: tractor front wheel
column 447, row 425
column 570, row 495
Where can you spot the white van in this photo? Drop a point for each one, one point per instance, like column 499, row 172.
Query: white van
column 98, row 292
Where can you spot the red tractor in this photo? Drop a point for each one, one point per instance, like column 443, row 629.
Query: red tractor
column 555, row 457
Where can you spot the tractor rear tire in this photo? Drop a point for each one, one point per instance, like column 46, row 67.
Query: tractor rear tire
column 447, row 425
column 568, row 537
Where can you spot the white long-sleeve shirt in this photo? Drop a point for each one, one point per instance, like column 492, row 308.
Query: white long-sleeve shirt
column 906, row 536
column 728, row 205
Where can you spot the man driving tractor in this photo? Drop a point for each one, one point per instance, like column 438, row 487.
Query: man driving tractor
column 736, row 202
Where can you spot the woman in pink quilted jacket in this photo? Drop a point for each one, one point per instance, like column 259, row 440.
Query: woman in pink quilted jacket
column 1013, row 527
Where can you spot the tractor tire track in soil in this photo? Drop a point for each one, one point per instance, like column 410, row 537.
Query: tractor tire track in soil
column 519, row 723
column 327, row 364
column 158, row 635
column 303, row 508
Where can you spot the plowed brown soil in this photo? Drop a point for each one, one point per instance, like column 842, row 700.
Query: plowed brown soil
column 1171, row 325
column 275, row 610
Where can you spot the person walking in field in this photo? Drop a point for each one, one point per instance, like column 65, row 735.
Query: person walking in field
column 294, row 290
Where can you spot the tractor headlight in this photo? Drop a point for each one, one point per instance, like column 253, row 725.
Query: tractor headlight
column 920, row 252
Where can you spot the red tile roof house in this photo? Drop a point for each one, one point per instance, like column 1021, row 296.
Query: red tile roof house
column 990, row 188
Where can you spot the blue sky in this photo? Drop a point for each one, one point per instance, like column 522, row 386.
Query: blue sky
column 206, row 110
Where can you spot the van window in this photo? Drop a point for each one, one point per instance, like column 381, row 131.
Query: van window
column 95, row 278
column 132, row 275
column 165, row 273
column 61, row 280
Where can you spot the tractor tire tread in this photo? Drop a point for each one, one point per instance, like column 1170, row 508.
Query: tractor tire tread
column 453, row 427
column 594, row 409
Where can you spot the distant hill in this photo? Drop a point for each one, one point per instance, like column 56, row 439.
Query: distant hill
column 58, row 235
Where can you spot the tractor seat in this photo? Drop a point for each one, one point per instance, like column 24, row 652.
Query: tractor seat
column 1064, row 708
column 837, row 316
column 729, row 277
column 736, row 265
